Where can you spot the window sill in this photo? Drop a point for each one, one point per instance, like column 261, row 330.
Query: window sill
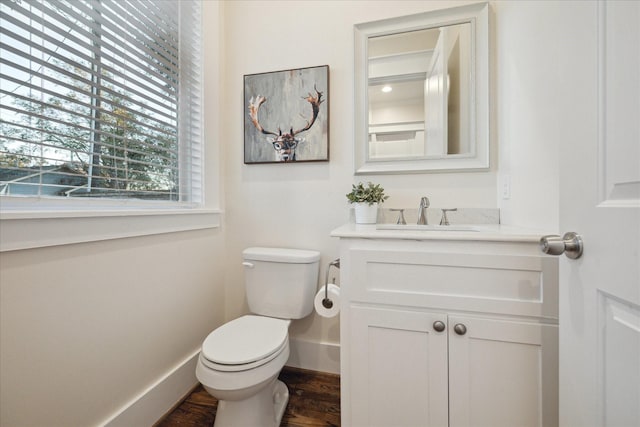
column 36, row 229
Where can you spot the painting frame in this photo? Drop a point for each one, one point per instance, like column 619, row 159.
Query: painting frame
column 286, row 116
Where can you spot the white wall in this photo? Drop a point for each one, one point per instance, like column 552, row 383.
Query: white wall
column 532, row 48
column 85, row 328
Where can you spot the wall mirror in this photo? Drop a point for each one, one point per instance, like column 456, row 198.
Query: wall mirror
column 422, row 92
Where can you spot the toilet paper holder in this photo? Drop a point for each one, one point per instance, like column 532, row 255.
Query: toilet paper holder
column 326, row 302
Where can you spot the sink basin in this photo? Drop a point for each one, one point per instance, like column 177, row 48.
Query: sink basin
column 416, row 227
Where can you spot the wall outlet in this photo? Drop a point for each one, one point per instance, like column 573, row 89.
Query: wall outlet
column 506, row 187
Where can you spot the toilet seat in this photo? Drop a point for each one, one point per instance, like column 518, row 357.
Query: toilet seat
column 245, row 343
column 243, row 366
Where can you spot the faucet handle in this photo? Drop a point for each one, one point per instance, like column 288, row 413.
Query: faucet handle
column 401, row 220
column 444, row 220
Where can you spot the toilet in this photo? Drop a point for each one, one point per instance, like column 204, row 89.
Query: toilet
column 240, row 361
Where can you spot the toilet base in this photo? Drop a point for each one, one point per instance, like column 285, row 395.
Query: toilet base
column 280, row 400
column 265, row 408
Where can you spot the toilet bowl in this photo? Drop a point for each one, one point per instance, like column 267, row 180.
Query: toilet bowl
column 239, row 364
column 240, row 361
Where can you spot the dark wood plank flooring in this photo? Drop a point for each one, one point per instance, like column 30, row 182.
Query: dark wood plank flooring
column 314, row 400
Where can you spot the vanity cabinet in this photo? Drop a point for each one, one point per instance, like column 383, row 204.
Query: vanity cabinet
column 447, row 330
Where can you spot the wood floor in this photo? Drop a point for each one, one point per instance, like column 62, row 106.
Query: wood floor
column 314, row 400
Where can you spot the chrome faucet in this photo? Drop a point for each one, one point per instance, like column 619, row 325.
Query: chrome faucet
column 422, row 211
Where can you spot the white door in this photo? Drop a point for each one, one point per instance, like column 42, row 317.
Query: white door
column 435, row 108
column 600, row 200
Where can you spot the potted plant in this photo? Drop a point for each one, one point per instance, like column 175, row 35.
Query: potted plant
column 366, row 200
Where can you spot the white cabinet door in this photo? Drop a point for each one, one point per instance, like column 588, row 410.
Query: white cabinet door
column 398, row 368
column 502, row 373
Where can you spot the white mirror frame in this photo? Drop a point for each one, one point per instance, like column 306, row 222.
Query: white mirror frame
column 478, row 160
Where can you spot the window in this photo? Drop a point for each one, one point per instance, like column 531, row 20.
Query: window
column 101, row 99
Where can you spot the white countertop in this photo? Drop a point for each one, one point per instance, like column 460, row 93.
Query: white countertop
column 477, row 232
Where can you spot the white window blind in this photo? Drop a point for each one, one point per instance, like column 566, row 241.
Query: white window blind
column 101, row 99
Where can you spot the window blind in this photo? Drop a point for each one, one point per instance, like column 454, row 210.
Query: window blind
column 101, row 99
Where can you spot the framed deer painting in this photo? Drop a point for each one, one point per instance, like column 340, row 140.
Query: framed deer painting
column 287, row 116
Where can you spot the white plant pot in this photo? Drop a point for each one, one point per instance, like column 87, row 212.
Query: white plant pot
column 365, row 213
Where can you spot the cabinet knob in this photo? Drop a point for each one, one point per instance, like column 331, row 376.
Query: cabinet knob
column 460, row 329
column 438, row 326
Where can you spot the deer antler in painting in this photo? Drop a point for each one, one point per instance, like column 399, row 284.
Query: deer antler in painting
column 285, row 143
column 254, row 107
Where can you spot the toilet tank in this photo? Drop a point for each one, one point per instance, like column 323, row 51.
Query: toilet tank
column 281, row 282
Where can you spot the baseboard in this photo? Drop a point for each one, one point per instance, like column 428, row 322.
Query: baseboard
column 153, row 403
column 314, row 356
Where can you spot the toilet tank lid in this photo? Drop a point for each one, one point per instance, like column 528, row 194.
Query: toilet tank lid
column 298, row 256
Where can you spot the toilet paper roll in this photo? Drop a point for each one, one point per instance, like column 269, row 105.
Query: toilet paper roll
column 334, row 295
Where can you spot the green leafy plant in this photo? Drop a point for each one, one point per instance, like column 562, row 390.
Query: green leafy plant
column 370, row 194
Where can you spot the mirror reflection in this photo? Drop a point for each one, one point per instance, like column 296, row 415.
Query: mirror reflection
column 418, row 91
column 422, row 92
